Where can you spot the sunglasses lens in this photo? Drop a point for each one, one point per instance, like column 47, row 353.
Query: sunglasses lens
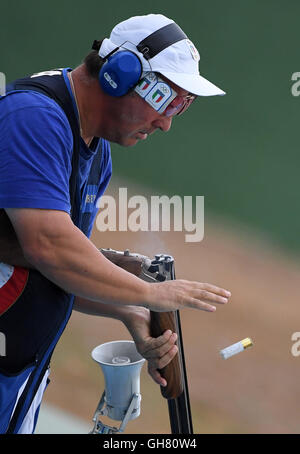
column 186, row 105
column 180, row 107
column 173, row 110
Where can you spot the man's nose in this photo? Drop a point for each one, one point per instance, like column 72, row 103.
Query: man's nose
column 164, row 123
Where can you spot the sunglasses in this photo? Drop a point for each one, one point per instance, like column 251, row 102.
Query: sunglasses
column 179, row 105
column 161, row 96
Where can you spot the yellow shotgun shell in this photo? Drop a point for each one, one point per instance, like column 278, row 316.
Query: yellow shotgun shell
column 236, row 348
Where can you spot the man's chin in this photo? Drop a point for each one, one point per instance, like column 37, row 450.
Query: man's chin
column 128, row 141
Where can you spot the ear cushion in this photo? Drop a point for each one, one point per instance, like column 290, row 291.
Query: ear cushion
column 120, row 73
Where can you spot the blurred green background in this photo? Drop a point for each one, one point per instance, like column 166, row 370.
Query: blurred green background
column 239, row 151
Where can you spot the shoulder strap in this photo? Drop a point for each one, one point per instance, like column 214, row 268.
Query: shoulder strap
column 54, row 87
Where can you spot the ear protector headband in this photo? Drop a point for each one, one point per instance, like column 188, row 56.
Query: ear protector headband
column 122, row 70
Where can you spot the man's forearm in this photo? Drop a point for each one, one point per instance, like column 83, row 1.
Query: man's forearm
column 89, row 307
column 130, row 316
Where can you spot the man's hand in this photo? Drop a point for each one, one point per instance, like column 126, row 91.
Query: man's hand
column 179, row 294
column 159, row 351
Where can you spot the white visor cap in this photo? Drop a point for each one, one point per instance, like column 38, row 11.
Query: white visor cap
column 178, row 63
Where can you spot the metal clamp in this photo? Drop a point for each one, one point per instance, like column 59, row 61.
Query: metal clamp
column 100, row 428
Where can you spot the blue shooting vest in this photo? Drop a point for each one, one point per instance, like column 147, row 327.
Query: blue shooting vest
column 35, row 322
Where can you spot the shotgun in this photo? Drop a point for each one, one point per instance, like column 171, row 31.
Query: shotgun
column 159, row 269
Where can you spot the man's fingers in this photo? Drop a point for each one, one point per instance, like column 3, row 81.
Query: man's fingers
column 217, row 290
column 161, row 340
column 156, row 342
column 159, row 346
column 154, row 373
column 159, row 363
column 204, row 295
column 198, row 304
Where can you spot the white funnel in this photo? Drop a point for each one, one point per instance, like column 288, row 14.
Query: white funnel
column 121, row 365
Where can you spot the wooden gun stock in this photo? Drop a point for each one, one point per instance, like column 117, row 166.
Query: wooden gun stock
column 160, row 322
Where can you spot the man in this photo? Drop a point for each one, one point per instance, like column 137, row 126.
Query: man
column 129, row 86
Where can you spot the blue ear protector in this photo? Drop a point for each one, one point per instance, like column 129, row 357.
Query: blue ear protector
column 122, row 70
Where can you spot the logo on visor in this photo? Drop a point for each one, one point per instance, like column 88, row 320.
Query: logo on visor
column 144, row 83
column 157, row 96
